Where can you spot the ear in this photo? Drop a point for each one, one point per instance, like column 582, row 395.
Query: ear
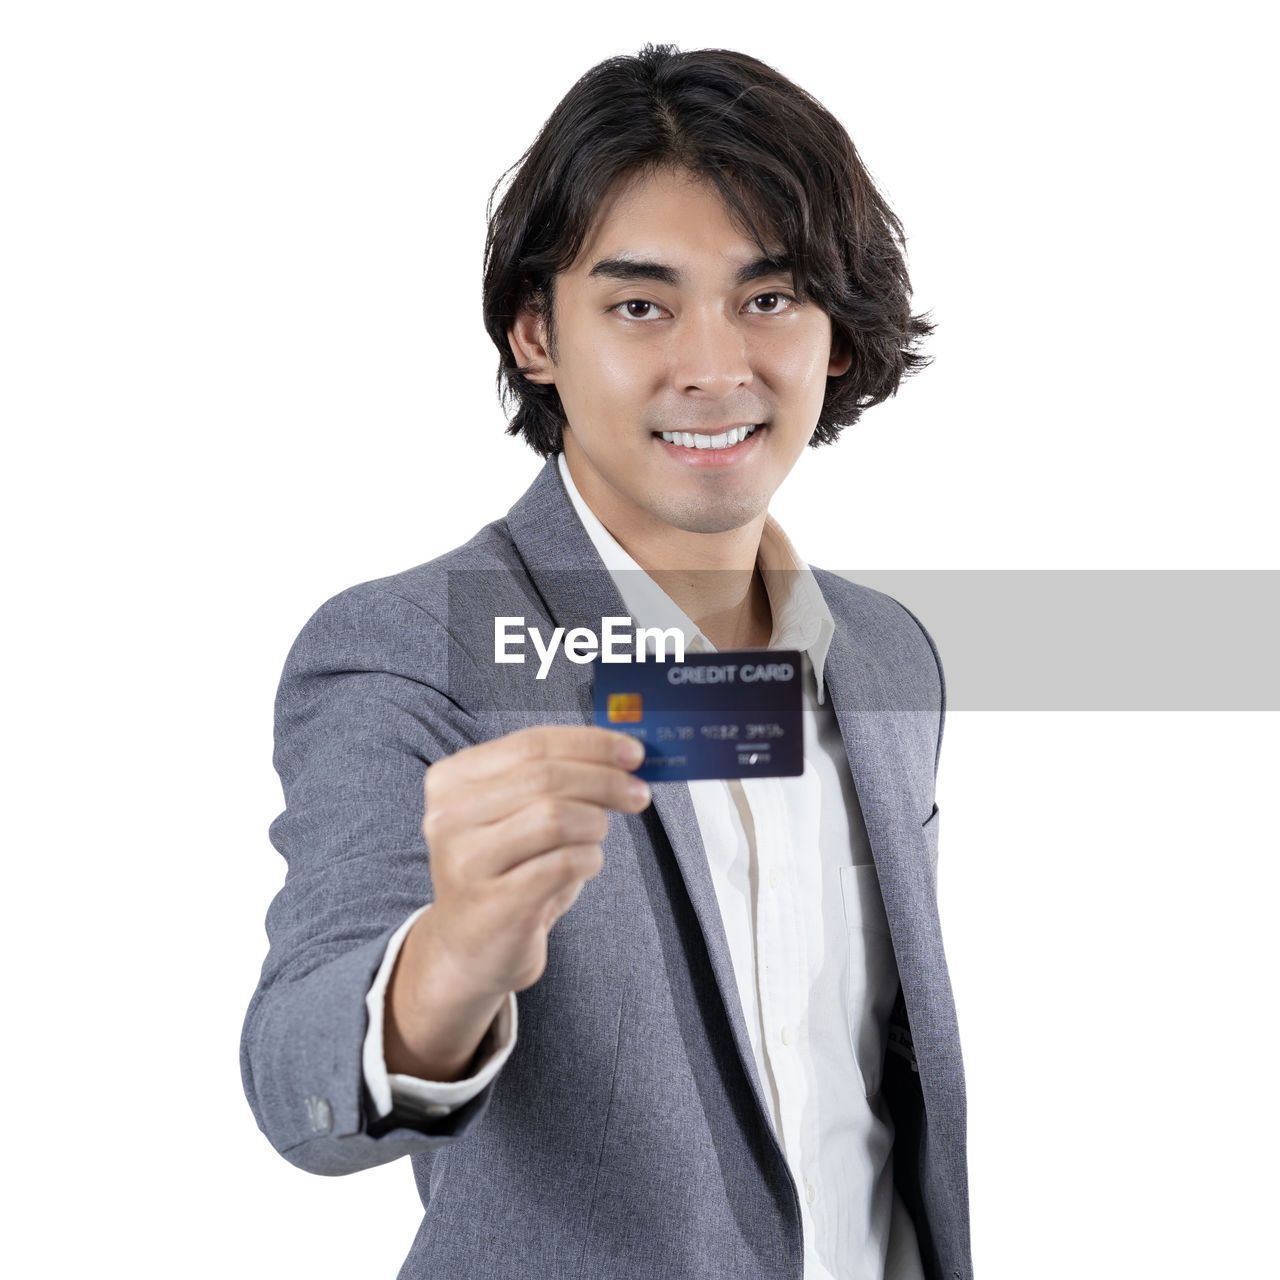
column 528, row 338
column 841, row 354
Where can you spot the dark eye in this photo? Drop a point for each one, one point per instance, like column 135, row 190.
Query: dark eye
column 770, row 304
column 638, row 310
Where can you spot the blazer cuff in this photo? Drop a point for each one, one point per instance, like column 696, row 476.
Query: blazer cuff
column 408, row 1096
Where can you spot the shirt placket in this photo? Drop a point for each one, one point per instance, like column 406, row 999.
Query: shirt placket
column 781, row 957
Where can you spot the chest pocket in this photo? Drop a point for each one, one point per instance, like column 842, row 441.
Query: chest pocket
column 930, row 829
column 871, row 975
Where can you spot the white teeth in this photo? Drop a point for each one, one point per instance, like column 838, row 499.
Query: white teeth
column 695, row 440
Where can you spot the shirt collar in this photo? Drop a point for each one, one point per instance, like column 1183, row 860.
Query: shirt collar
column 801, row 619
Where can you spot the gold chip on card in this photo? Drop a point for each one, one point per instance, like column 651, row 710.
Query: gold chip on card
column 625, row 708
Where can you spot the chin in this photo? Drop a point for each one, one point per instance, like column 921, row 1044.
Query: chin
column 720, row 517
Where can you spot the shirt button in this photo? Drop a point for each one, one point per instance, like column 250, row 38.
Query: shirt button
column 786, row 1035
column 809, row 1193
column 775, row 878
column 438, row 1109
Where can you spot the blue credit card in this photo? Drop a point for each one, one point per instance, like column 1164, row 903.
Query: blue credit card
column 735, row 714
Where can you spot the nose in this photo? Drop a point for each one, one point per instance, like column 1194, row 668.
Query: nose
column 710, row 355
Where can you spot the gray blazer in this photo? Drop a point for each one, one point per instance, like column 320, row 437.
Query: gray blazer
column 628, row 1134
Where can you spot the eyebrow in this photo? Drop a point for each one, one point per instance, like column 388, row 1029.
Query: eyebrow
column 623, row 268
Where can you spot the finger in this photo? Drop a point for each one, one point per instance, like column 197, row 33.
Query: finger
column 543, row 888
column 490, row 800
column 482, row 854
column 559, row 904
column 587, row 743
column 514, row 906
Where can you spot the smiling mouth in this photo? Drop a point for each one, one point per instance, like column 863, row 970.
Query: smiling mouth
column 698, row 440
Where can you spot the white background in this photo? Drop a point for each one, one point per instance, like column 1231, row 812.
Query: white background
column 245, row 368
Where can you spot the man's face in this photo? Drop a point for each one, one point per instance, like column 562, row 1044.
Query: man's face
column 670, row 320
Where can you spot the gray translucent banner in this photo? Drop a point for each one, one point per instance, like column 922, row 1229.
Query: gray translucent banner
column 1098, row 640
column 1010, row 640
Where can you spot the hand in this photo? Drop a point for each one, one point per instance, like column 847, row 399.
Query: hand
column 514, row 829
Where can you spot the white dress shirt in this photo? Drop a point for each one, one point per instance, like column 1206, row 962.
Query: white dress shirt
column 803, row 917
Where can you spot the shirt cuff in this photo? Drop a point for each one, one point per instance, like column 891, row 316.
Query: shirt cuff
column 433, row 1097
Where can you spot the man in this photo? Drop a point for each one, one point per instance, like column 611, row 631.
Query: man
column 702, row 1029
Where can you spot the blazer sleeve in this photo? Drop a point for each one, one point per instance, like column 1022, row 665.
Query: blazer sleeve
column 369, row 697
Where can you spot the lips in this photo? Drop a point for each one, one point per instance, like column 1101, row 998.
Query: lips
column 698, row 457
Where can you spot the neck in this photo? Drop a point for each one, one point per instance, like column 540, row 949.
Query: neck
column 729, row 606
column 712, row 577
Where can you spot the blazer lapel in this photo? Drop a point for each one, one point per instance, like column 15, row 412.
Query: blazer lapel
column 888, row 789
column 578, row 591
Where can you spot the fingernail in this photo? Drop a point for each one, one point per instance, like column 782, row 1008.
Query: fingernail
column 631, row 752
column 640, row 792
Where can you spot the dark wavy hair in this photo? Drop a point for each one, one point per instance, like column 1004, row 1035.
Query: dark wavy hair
column 786, row 169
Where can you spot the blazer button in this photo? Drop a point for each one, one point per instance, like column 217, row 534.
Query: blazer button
column 319, row 1114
